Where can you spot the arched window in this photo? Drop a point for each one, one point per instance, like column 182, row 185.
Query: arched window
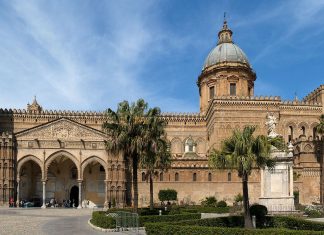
column 303, row 130
column 291, row 134
column 161, row 176
column 176, row 177
column 229, row 176
column 143, row 176
column 190, row 145
column 314, row 134
column 194, row 177
column 209, row 176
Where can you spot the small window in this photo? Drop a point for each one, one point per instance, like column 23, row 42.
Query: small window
column 194, row 177
column 176, row 177
column 143, row 176
column 303, row 130
column 211, row 92
column 161, row 176
column 209, row 176
column 249, row 91
column 189, row 147
column 291, row 134
column 229, row 176
column 233, row 89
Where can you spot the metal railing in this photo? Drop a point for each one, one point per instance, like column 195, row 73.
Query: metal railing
column 126, row 221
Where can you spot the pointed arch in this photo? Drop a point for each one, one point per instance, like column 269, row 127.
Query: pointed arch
column 64, row 153
column 27, row 158
column 91, row 159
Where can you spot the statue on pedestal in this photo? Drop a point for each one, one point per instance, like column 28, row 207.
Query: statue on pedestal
column 271, row 125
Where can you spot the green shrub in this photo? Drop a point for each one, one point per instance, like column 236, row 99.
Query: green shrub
column 203, row 209
column 221, row 204
column 293, row 223
column 167, row 218
column 229, row 221
column 162, row 229
column 100, row 219
column 209, row 201
column 174, row 210
column 314, row 211
column 188, row 210
column 167, row 195
column 238, row 198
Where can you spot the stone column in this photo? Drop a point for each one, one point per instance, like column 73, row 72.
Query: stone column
column 80, row 194
column 291, row 181
column 44, row 194
column 18, row 193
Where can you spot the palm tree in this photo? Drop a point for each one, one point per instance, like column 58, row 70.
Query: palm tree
column 125, row 127
column 156, row 153
column 242, row 151
column 320, row 126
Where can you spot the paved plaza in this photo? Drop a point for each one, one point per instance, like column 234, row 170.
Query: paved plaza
column 47, row 221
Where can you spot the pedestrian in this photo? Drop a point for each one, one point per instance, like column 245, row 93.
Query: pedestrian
column 11, row 202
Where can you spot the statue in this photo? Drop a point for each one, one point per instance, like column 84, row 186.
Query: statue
column 271, row 125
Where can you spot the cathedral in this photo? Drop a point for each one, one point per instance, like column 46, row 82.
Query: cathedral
column 47, row 154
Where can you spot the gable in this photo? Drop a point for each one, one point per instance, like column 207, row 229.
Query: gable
column 63, row 129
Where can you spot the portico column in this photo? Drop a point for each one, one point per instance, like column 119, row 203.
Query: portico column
column 80, row 194
column 18, row 196
column 44, row 194
column 291, row 181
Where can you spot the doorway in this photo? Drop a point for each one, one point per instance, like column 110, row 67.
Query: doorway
column 74, row 196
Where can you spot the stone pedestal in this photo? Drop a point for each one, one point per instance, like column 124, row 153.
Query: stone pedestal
column 277, row 184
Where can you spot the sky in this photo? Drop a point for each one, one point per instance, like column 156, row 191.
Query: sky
column 90, row 55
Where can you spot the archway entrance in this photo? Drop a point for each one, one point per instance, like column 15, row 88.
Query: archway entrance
column 62, row 175
column 94, row 183
column 30, row 184
column 74, row 196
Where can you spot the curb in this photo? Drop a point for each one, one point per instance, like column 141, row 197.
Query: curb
column 106, row 230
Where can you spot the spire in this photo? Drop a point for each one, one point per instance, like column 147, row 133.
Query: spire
column 34, row 107
column 225, row 34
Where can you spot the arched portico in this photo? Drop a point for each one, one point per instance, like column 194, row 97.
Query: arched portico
column 62, row 172
column 30, row 174
column 94, row 172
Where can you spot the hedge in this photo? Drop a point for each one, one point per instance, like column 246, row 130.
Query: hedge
column 293, row 223
column 167, row 218
column 230, row 221
column 100, row 219
column 162, row 229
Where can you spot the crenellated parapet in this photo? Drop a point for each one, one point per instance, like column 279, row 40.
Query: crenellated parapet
column 183, row 117
column 316, row 96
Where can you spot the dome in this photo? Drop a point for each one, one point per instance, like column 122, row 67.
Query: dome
column 226, row 50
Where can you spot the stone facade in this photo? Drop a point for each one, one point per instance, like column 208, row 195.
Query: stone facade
column 48, row 154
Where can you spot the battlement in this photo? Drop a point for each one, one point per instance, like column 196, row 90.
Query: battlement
column 52, row 112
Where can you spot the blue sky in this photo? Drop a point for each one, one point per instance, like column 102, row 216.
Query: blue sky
column 90, row 55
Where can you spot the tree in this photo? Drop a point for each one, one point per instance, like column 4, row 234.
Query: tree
column 125, row 128
column 156, row 153
column 242, row 151
column 168, row 195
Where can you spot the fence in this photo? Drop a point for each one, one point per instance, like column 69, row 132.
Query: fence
column 125, row 221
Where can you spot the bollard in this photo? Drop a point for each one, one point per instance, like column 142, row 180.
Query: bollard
column 254, row 221
column 160, row 212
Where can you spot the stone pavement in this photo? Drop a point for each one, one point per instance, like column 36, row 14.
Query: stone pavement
column 52, row 221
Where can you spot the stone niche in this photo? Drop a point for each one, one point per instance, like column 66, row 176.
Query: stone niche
column 277, row 183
